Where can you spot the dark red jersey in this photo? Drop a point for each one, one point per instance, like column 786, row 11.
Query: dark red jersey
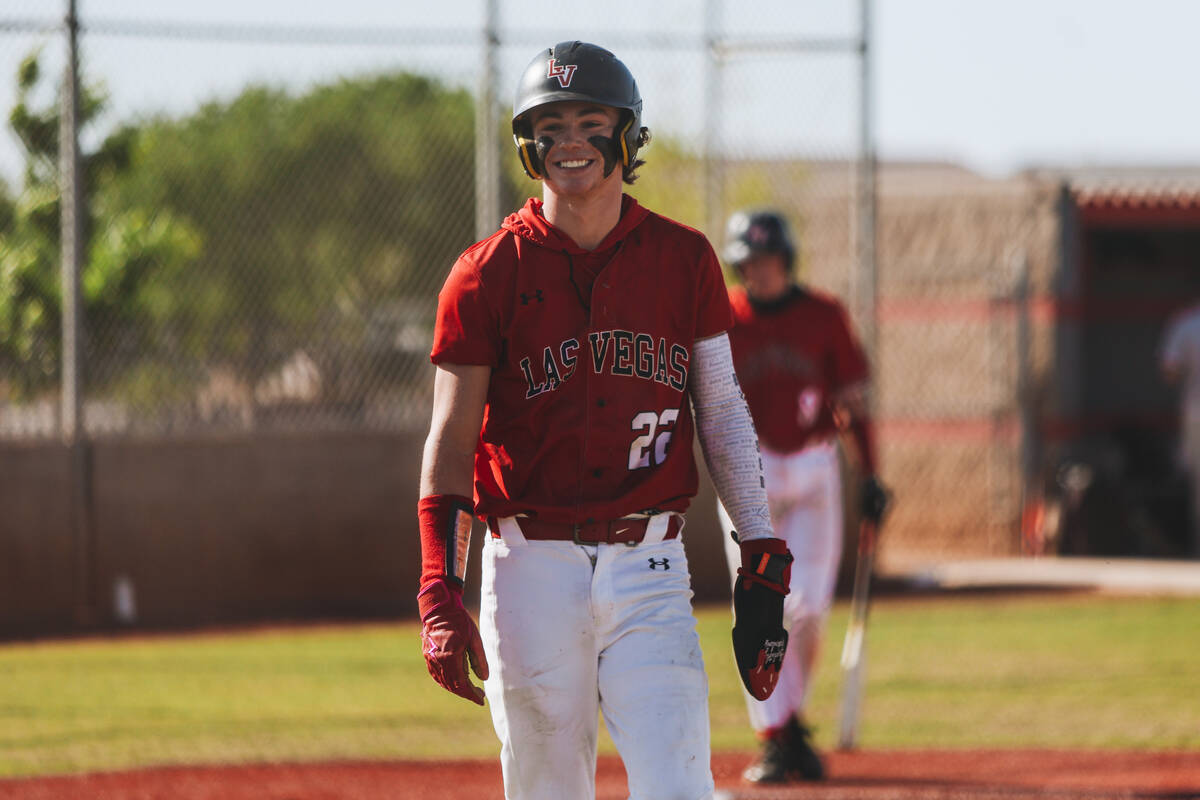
column 792, row 358
column 587, row 413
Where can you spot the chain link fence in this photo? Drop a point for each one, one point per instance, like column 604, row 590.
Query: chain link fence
column 270, row 210
column 965, row 353
column 260, row 253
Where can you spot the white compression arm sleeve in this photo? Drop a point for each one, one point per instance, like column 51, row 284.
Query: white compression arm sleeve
column 728, row 438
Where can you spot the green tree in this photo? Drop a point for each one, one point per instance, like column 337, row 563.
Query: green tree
column 673, row 183
column 319, row 215
column 116, row 263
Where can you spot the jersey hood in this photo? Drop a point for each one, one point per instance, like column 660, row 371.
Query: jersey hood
column 529, row 224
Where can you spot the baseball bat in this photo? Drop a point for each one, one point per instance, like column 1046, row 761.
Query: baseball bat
column 854, row 657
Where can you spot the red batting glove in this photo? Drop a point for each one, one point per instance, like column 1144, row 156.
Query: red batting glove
column 449, row 638
column 767, row 562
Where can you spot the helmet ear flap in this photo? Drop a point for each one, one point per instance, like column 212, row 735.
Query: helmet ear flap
column 622, row 138
column 529, row 158
column 629, row 139
column 531, row 162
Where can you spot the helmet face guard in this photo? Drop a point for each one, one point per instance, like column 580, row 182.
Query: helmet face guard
column 578, row 71
column 753, row 232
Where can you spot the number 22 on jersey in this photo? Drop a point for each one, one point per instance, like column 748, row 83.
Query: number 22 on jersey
column 655, row 429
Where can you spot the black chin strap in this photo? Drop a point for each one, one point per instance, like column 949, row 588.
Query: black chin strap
column 541, row 147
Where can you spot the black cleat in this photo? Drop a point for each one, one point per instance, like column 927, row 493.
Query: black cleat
column 771, row 767
column 804, row 756
column 787, row 756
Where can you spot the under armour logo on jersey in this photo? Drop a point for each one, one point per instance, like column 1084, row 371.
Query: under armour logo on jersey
column 655, row 563
column 564, row 72
column 526, row 298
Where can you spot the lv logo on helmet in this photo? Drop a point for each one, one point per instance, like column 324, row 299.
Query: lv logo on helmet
column 564, row 72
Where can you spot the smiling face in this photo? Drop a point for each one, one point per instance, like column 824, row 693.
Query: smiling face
column 571, row 164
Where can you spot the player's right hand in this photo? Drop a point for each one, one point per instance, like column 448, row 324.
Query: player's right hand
column 875, row 499
column 449, row 639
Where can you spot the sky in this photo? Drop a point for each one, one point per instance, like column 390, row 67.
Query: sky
column 994, row 86
column 1001, row 85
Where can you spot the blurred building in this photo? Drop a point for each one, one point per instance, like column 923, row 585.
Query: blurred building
column 1019, row 395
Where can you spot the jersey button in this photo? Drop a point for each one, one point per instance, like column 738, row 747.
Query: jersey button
column 601, row 402
column 596, row 473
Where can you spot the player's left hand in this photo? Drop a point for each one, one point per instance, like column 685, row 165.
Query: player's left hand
column 759, row 638
column 875, row 499
column 449, row 639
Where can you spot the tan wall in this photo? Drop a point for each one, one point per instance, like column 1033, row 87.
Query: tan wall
column 237, row 530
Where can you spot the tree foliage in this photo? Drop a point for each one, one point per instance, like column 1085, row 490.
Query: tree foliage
column 120, row 248
column 673, row 183
column 316, row 214
column 238, row 235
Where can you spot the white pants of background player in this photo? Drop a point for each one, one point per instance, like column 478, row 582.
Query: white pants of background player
column 571, row 631
column 804, row 490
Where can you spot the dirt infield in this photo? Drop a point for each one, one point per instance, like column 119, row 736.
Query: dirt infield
column 879, row 775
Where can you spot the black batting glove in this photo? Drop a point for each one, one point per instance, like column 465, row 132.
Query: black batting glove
column 874, row 499
column 759, row 638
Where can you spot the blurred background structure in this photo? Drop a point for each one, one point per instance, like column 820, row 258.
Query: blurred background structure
column 221, row 241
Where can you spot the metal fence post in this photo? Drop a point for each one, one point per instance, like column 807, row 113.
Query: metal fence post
column 71, row 246
column 1029, row 490
column 865, row 290
column 487, row 161
column 713, row 160
column 72, row 423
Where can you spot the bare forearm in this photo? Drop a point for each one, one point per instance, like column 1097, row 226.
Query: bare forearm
column 445, row 468
column 857, row 420
column 459, row 397
column 863, row 433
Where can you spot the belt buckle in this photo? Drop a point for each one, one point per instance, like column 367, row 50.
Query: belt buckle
column 607, row 539
column 627, row 542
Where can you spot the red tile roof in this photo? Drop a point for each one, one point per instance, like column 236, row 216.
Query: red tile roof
column 1139, row 204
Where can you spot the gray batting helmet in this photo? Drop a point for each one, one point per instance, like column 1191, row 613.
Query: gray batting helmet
column 584, row 72
column 751, row 232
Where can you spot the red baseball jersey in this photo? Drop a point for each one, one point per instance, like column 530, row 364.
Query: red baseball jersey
column 587, row 414
column 791, row 359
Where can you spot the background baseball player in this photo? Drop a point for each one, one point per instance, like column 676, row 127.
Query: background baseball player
column 571, row 349
column 803, row 373
column 1180, row 362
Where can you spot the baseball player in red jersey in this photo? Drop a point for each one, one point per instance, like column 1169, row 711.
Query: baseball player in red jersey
column 576, row 351
column 801, row 368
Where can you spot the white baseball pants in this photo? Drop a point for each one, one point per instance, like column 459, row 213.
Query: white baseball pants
column 804, row 491
column 571, row 631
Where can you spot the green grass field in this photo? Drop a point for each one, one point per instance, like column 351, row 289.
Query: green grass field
column 1069, row 671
